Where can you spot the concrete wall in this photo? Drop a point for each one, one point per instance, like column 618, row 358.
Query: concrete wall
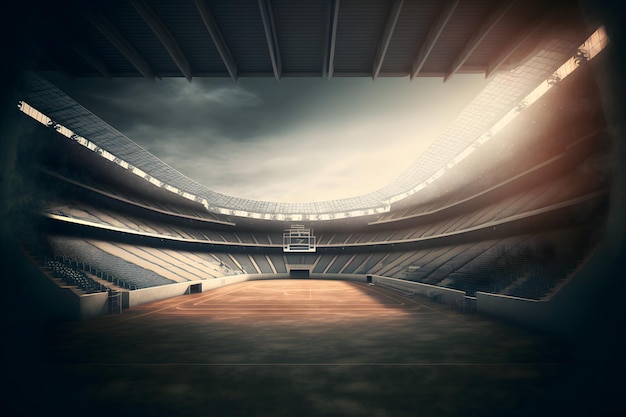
column 64, row 304
column 341, row 277
column 93, row 305
column 147, row 295
column 51, row 300
column 519, row 310
column 522, row 311
column 162, row 292
column 442, row 295
column 210, row 284
column 96, row 304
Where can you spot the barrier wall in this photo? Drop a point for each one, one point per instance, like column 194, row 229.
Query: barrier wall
column 511, row 308
column 440, row 294
column 162, row 292
column 93, row 305
column 520, row 310
column 341, row 277
column 59, row 302
column 96, row 304
column 210, row 284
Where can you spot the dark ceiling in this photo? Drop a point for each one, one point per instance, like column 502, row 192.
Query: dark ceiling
column 286, row 38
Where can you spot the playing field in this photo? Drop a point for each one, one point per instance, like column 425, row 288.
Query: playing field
column 300, row 348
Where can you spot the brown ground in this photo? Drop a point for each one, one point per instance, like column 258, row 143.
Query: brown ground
column 299, row 348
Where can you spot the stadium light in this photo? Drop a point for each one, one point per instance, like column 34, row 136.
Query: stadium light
column 458, row 142
column 587, row 51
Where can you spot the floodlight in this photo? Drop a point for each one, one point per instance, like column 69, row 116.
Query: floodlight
column 582, row 55
column 554, row 79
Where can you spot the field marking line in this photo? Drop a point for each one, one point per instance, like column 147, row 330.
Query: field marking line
column 329, row 364
column 326, row 311
column 198, row 301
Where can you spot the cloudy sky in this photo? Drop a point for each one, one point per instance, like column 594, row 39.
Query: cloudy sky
column 293, row 140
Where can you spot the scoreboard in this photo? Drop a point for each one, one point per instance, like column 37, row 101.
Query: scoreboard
column 298, row 239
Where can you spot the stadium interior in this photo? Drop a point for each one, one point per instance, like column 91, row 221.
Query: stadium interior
column 485, row 281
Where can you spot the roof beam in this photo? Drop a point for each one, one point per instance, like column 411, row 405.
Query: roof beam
column 67, row 38
column 166, row 37
column 220, row 44
column 496, row 63
column 52, row 55
column 383, row 43
column 91, row 58
column 485, row 27
column 432, row 36
column 329, row 54
column 106, row 28
column 271, row 35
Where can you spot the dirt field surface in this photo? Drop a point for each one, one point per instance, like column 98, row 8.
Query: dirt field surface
column 299, row 348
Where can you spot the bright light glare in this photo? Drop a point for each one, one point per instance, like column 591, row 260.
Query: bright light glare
column 587, row 51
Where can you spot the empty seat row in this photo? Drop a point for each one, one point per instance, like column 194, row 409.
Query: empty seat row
column 133, row 276
column 61, row 268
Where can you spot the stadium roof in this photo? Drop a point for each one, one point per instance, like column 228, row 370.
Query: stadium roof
column 283, row 38
column 517, row 44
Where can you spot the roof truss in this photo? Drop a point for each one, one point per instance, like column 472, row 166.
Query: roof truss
column 509, row 50
column 329, row 55
column 432, row 36
column 109, row 31
column 93, row 60
column 383, row 44
column 69, row 39
column 271, row 35
column 485, row 27
column 166, row 37
column 222, row 48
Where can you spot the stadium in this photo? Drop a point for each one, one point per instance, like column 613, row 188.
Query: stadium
column 485, row 279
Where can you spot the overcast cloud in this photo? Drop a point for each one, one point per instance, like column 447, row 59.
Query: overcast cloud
column 293, row 140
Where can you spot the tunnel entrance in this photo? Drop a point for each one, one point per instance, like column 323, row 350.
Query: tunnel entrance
column 299, row 273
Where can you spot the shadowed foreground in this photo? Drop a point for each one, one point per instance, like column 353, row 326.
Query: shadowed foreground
column 298, row 347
